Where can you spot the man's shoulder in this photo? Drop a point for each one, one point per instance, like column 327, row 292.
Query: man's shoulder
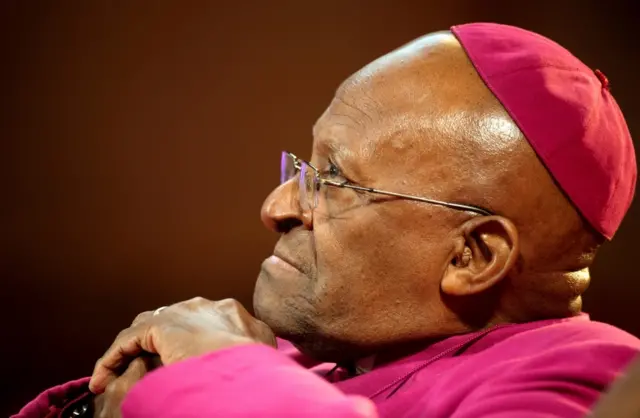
column 567, row 360
column 569, row 331
column 547, row 366
column 564, row 342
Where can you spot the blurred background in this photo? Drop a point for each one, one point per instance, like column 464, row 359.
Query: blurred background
column 138, row 140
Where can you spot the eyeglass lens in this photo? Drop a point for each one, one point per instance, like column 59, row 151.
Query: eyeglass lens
column 287, row 167
column 307, row 180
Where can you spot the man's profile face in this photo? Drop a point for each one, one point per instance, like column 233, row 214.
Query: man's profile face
column 361, row 270
column 364, row 271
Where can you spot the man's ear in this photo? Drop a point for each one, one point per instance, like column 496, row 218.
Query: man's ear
column 485, row 251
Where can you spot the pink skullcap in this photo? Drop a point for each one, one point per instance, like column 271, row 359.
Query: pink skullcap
column 566, row 113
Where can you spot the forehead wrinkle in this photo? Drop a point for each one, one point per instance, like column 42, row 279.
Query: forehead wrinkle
column 339, row 110
column 338, row 128
column 341, row 100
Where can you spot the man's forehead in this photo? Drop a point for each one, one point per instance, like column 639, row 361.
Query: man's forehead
column 341, row 124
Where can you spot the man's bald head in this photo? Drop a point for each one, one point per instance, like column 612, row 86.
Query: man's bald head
column 373, row 271
column 444, row 125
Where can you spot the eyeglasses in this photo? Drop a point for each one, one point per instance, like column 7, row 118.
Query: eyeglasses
column 310, row 181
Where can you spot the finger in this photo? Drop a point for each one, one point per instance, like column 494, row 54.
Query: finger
column 138, row 368
column 233, row 311
column 127, row 345
column 142, row 317
column 239, row 316
column 266, row 334
column 107, row 404
column 108, row 367
column 121, row 385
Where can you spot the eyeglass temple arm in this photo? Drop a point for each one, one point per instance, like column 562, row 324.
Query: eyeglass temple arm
column 459, row 206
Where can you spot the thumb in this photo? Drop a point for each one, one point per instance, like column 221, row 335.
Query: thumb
column 129, row 344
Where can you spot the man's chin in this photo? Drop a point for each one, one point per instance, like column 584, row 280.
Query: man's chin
column 276, row 320
column 268, row 306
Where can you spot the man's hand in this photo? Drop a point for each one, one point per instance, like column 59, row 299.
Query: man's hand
column 107, row 404
column 183, row 330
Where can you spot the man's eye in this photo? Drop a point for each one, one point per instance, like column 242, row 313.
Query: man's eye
column 333, row 170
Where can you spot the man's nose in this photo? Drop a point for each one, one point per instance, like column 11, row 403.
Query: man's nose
column 281, row 211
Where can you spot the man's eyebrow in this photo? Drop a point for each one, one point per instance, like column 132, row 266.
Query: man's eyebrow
column 331, row 146
column 343, row 157
column 331, row 138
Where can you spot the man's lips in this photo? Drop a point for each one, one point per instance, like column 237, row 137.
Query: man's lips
column 284, row 261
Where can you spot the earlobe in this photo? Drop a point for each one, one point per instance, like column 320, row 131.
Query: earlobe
column 485, row 252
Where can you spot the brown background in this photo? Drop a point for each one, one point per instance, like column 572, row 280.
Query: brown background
column 138, row 140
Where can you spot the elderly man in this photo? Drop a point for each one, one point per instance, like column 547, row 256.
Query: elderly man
column 432, row 255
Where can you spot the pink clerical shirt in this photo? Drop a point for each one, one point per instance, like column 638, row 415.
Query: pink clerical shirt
column 553, row 368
